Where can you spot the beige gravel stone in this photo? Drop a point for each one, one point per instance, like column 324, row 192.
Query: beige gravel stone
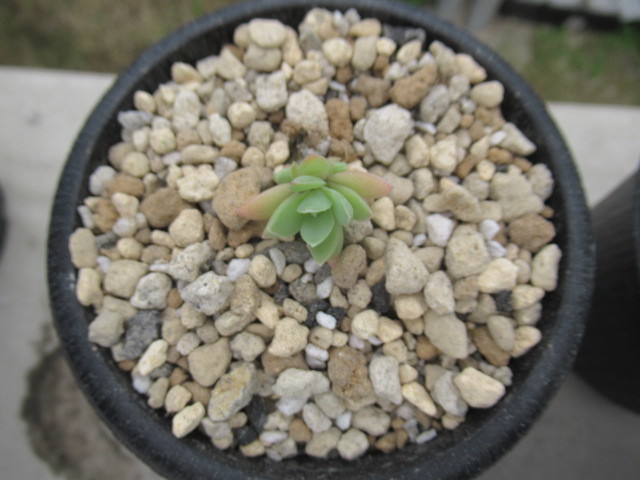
column 447, row 333
column 478, row 389
column 544, row 267
column 154, row 356
column 415, row 394
column 209, row 362
column 187, row 420
column 290, row 337
column 123, row 277
column 83, row 248
column 498, row 275
column 526, row 337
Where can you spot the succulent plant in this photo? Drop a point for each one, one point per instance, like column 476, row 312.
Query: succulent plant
column 318, row 198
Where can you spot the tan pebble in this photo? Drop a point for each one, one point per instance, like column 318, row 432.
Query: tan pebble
column 187, row 419
column 162, row 207
column 376, row 91
column 489, row 348
column 321, row 337
column 502, row 331
column 447, row 333
column 388, row 330
column 526, row 337
column 123, row 276
column 416, row 394
column 274, row 365
column 365, row 324
column 233, row 191
column 409, row 91
column 544, row 267
column 253, row 449
column 526, row 295
column 425, row 349
column 531, row 231
column 198, row 392
column 263, row 271
column 299, row 431
column 410, row 306
column 157, row 392
column 291, row 272
column 268, row 314
column 83, row 248
column 407, row 373
column 478, row 389
column 208, row 363
column 351, row 262
column 176, row 399
column 290, row 338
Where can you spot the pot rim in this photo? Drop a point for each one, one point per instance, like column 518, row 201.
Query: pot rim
column 454, row 455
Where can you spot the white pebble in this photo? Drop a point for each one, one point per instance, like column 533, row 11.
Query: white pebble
column 497, row 137
column 439, row 229
column 374, row 340
column 141, row 383
column 489, row 228
column 278, row 259
column 343, row 421
column 224, row 166
column 103, row 263
column 306, row 278
column 496, row 250
column 316, row 352
column 419, row 240
column 337, row 86
column 314, row 362
column 291, row 405
column 311, row 266
column 86, row 216
column 272, row 436
column 427, row 435
column 425, row 127
column 238, row 267
column 323, row 290
column 411, row 426
column 356, row 342
column 326, row 320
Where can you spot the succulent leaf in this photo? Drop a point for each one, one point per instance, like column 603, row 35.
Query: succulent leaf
column 262, row 206
column 306, row 182
column 284, row 176
column 361, row 210
column 363, row 183
column 315, row 201
column 338, row 167
column 286, row 221
column 331, row 246
column 316, row 166
column 315, row 230
column 340, row 206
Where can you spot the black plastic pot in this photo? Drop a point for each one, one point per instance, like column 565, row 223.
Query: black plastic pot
column 462, row 453
column 609, row 356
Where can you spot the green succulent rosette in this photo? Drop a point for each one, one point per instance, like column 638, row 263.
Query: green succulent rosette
column 316, row 198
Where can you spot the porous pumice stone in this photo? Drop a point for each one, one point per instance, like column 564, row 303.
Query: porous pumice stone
column 250, row 340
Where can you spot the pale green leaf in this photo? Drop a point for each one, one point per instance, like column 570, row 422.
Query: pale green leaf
column 340, row 206
column 286, row 221
column 306, row 182
column 316, row 229
column 330, row 247
column 316, row 166
column 314, row 202
column 284, row 176
column 361, row 210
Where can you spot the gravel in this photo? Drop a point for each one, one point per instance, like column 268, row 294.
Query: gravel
column 250, row 340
